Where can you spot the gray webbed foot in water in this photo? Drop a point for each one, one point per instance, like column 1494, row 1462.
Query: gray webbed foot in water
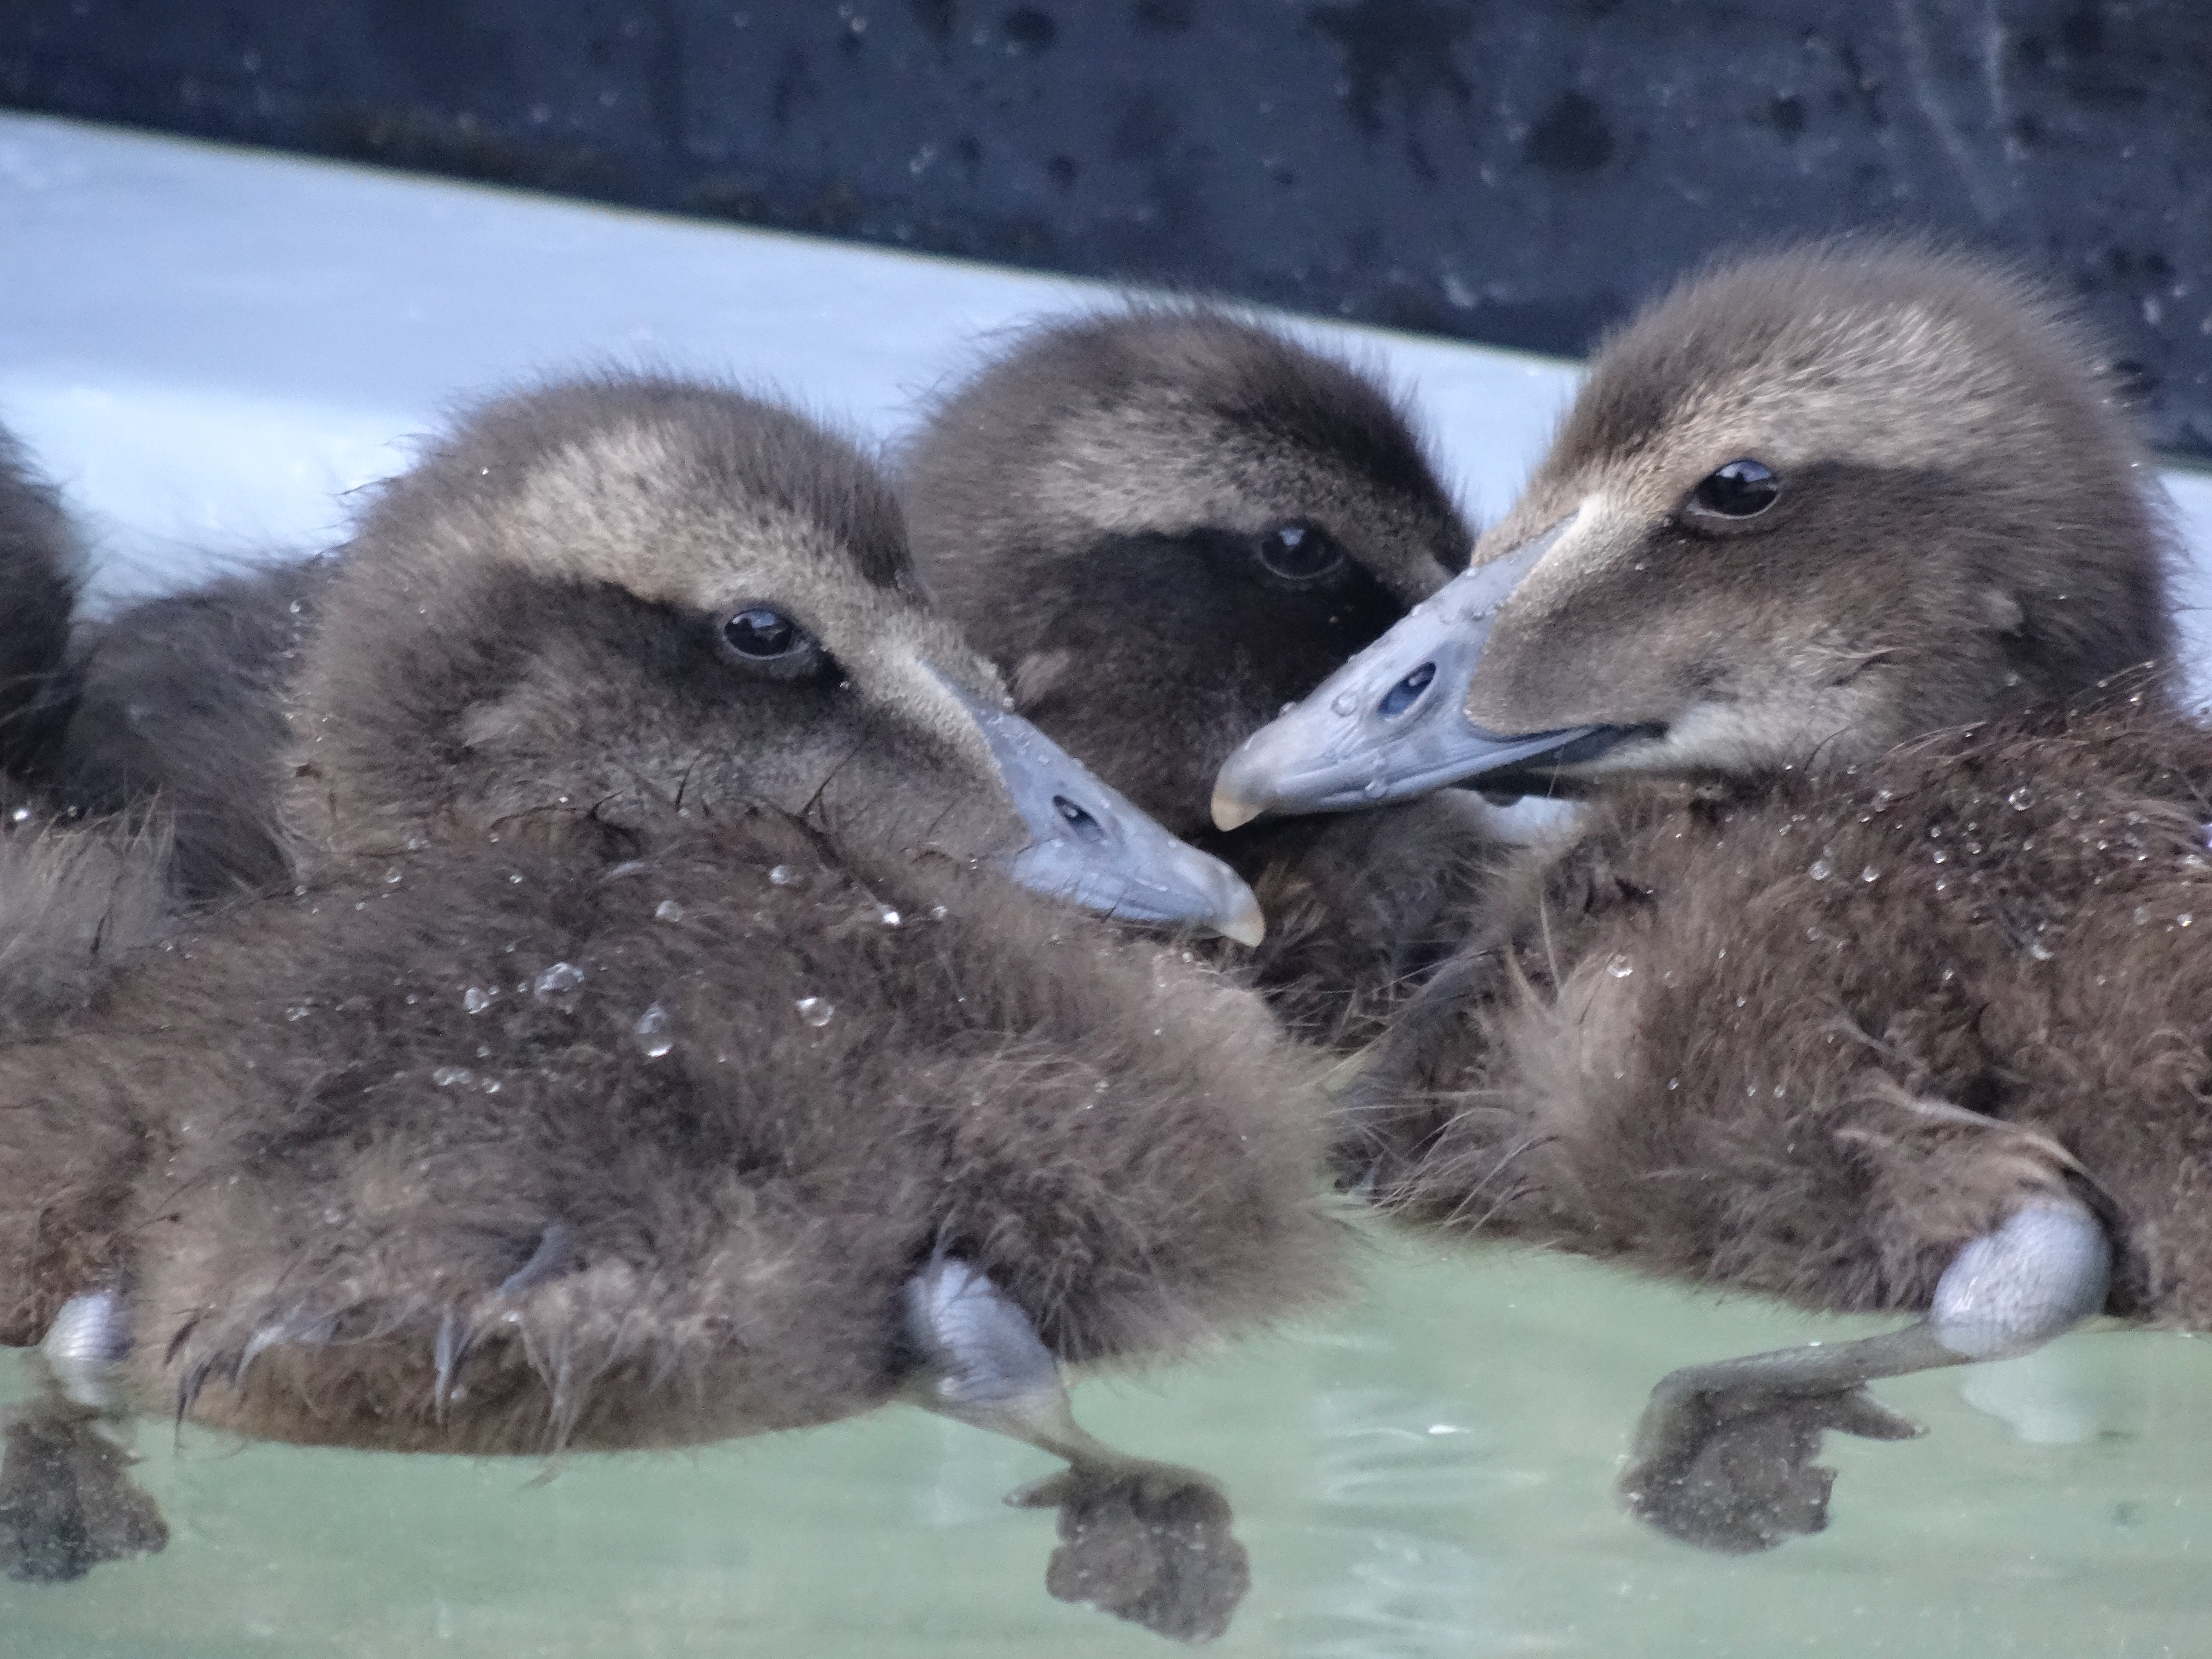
column 1731, row 1468
column 67, row 1502
column 1149, row 1542
column 1723, row 1455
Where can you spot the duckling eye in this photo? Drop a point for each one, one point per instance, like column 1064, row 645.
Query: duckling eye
column 1742, row 489
column 1086, row 828
column 762, row 637
column 760, row 633
column 1300, row 555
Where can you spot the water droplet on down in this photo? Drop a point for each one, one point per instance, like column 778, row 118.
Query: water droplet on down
column 816, row 1010
column 653, row 1036
column 561, row 977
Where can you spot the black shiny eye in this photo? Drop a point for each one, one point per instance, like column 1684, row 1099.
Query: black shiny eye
column 1742, row 489
column 762, row 634
column 1301, row 555
column 770, row 644
column 1086, row 828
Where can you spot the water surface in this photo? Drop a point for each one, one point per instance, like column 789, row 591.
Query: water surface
column 1427, row 1473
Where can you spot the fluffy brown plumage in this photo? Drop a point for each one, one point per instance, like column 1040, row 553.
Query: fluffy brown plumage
column 1875, row 963
column 349, row 1148
column 1162, row 523
column 649, row 1033
column 73, row 900
column 178, row 714
column 1810, row 1039
column 39, row 569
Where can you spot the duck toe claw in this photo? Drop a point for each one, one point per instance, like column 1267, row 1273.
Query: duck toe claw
column 67, row 1502
column 1734, row 1471
column 1145, row 1542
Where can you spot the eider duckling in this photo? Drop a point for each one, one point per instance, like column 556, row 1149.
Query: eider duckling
column 73, row 899
column 1162, row 523
column 177, row 715
column 1871, row 981
column 656, row 1049
column 40, row 564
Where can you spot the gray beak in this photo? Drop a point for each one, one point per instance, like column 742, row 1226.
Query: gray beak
column 1392, row 722
column 1093, row 848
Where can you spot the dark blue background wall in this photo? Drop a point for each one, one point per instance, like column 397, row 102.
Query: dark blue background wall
column 1513, row 172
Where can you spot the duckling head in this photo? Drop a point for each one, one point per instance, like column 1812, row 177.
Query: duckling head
column 1807, row 505
column 608, row 604
column 1164, row 523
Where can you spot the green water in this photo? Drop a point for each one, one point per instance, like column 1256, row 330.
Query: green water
column 1427, row 1473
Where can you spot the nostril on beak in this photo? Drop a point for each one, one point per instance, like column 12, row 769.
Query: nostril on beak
column 1086, row 827
column 1408, row 692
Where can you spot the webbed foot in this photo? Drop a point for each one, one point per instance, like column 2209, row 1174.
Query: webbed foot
column 1732, row 1470
column 67, row 1501
column 1723, row 1455
column 1148, row 1542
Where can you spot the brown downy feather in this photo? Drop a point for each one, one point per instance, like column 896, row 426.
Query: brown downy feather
column 40, row 568
column 179, row 712
column 1109, row 508
column 357, row 1130
column 1361, row 907
column 1811, row 1039
column 75, row 898
column 78, row 902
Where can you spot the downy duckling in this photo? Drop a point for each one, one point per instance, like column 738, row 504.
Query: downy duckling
column 177, row 716
column 72, row 899
column 1162, row 523
column 657, row 1051
column 1869, row 983
column 38, row 572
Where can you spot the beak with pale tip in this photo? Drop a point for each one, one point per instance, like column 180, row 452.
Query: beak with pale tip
column 1092, row 846
column 1392, row 723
